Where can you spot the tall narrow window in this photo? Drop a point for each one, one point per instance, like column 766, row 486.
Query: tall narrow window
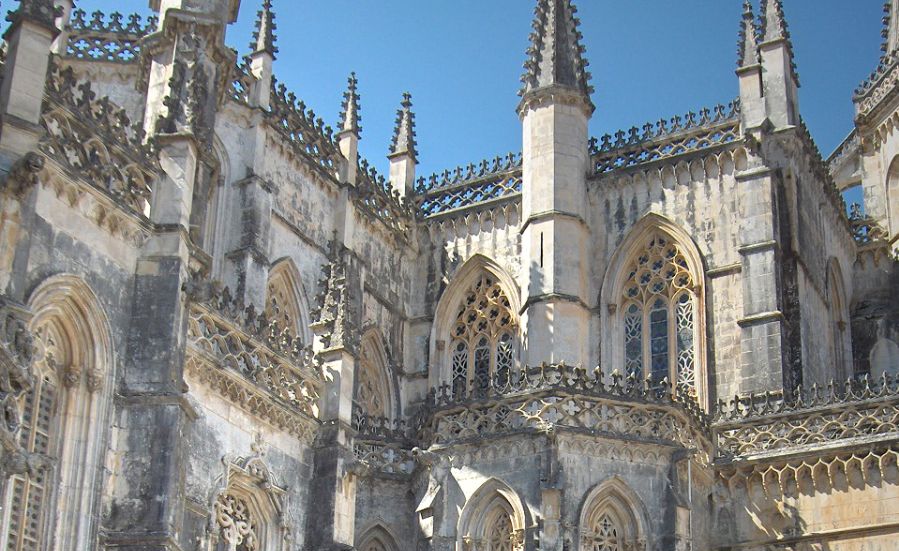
column 483, row 345
column 372, row 383
column 604, row 534
column 658, row 311
column 30, row 494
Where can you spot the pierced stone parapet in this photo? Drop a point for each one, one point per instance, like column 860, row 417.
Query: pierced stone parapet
column 836, row 414
column 474, row 185
column 95, row 141
column 666, row 138
column 374, row 196
column 294, row 380
column 242, row 83
column 866, row 230
column 383, row 457
column 114, row 38
column 879, row 85
column 552, row 397
column 303, row 130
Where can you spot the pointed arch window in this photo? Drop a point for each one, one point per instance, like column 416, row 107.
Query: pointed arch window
column 658, row 309
column 237, row 526
column 371, row 396
column 483, row 338
column 610, row 521
column 30, row 495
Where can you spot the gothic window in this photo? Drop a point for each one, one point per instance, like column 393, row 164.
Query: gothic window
column 608, row 520
column 237, row 529
column 482, row 340
column 500, row 533
column 30, row 494
column 281, row 301
column 372, row 386
column 658, row 309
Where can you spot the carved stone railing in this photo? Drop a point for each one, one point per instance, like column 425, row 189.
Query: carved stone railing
column 865, row 230
column 768, row 424
column 242, row 83
column 253, row 374
column 94, row 140
column 881, row 84
column 383, row 446
column 374, row 196
column 553, row 397
column 665, row 139
column 101, row 38
column 306, row 133
column 474, row 185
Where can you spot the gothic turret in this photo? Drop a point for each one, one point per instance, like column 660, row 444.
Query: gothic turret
column 890, row 32
column 262, row 56
column 781, row 82
column 749, row 70
column 403, row 149
column 350, row 130
column 555, row 110
column 556, row 57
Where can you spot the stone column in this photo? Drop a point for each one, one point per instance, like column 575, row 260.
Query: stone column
column 330, row 521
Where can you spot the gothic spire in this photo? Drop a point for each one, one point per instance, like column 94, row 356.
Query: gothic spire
column 264, row 34
column 556, row 56
column 774, row 27
column 747, row 48
column 42, row 12
column 403, row 142
column 351, row 114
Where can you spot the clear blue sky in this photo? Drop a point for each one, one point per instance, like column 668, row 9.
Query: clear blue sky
column 461, row 60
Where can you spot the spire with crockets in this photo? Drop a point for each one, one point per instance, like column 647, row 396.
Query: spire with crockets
column 403, row 142
column 774, row 28
column 351, row 113
column 556, row 56
column 747, row 47
column 264, row 34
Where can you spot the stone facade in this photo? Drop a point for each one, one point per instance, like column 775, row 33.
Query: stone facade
column 221, row 329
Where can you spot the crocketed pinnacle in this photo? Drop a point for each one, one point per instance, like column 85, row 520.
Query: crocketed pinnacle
column 404, row 135
column 264, row 34
column 42, row 12
column 747, row 48
column 774, row 27
column 556, row 56
column 351, row 113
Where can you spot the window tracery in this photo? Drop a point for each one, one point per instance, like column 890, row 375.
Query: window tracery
column 281, row 303
column 483, row 338
column 29, row 503
column 236, row 525
column 372, row 387
column 604, row 534
column 659, row 305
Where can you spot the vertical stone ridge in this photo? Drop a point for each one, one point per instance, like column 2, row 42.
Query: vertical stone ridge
column 556, row 56
column 351, row 111
column 403, row 142
column 264, row 33
column 747, row 46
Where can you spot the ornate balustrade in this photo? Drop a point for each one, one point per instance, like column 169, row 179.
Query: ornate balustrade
column 865, row 230
column 757, row 425
column 382, row 445
column 474, row 185
column 303, row 130
column 101, row 38
column 878, row 86
column 94, row 140
column 251, row 372
column 242, row 83
column 551, row 397
column 666, row 138
column 374, row 196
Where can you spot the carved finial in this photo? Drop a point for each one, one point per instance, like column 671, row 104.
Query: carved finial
column 42, row 12
column 748, row 51
column 774, row 27
column 556, row 56
column 264, row 34
column 404, row 134
column 351, row 115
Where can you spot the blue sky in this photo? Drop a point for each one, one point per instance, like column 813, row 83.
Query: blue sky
column 461, row 60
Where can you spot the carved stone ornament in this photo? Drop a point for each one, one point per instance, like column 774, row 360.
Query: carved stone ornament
column 42, row 12
column 24, row 174
column 190, row 102
column 16, row 355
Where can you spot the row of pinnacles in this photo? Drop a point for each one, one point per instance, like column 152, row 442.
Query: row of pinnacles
column 149, row 406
